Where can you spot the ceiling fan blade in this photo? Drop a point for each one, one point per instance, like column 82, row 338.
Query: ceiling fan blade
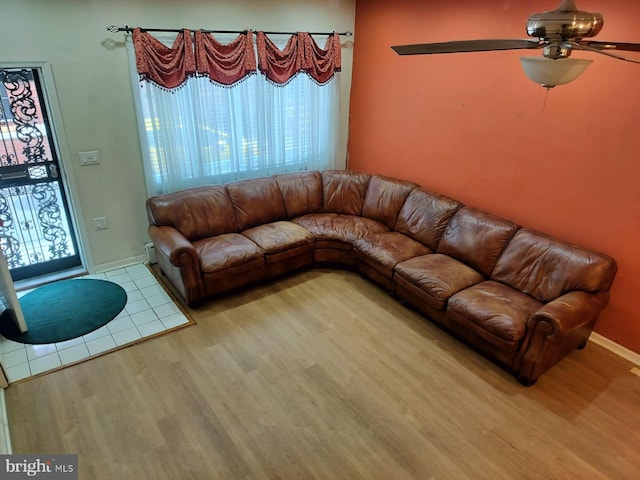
column 587, row 47
column 466, row 46
column 628, row 47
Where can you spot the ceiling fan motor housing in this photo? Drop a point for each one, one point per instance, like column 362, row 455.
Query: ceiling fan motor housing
column 559, row 26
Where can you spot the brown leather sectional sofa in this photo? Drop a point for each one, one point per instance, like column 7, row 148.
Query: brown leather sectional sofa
column 522, row 298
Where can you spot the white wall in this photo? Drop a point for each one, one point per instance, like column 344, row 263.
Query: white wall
column 94, row 89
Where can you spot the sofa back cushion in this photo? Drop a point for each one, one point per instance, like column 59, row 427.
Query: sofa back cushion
column 301, row 192
column 196, row 213
column 546, row 268
column 476, row 238
column 384, row 198
column 343, row 191
column 425, row 215
column 256, row 202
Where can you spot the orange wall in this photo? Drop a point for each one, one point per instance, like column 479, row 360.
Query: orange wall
column 472, row 126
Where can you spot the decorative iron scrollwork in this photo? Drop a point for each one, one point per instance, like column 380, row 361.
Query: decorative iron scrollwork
column 9, row 244
column 25, row 115
column 50, row 217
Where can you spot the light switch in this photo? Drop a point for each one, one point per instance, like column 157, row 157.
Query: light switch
column 89, row 158
column 100, row 223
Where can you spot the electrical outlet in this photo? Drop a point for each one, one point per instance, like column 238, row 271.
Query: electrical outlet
column 89, row 158
column 100, row 223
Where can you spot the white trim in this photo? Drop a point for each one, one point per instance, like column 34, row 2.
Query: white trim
column 65, row 159
column 616, row 348
column 5, row 440
column 127, row 262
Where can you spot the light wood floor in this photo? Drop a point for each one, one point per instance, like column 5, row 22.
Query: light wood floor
column 323, row 376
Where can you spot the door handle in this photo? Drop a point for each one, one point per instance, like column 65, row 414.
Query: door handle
column 13, row 175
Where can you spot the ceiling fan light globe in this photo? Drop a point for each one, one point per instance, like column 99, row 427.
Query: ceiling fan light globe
column 549, row 72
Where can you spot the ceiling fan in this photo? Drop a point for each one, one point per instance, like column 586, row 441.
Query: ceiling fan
column 558, row 32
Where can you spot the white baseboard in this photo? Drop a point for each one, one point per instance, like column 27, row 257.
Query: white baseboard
column 127, row 262
column 616, row 348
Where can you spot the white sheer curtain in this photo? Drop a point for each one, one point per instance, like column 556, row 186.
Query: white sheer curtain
column 204, row 133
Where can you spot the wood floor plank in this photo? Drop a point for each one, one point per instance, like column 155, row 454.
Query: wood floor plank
column 323, row 375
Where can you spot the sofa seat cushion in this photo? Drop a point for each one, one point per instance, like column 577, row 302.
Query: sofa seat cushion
column 281, row 240
column 230, row 250
column 383, row 251
column 494, row 311
column 332, row 227
column 278, row 236
column 437, row 276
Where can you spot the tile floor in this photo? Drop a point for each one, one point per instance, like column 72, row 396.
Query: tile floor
column 149, row 310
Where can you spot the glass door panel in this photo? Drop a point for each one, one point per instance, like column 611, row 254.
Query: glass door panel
column 36, row 235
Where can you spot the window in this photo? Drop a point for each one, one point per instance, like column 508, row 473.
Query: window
column 203, row 133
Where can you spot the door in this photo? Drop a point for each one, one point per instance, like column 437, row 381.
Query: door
column 37, row 236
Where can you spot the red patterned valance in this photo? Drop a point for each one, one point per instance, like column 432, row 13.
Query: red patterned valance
column 168, row 67
column 225, row 63
column 301, row 54
column 280, row 66
column 322, row 64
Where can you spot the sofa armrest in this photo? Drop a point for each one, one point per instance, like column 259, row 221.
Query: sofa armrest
column 555, row 330
column 172, row 244
column 179, row 261
column 569, row 312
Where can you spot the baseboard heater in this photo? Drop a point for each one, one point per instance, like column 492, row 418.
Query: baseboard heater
column 151, row 253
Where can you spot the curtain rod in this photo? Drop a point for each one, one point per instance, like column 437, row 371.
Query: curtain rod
column 116, row 29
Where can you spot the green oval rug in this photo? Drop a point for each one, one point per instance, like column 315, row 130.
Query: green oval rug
column 64, row 310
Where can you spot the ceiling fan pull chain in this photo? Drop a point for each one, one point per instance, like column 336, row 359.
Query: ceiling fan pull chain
column 546, row 94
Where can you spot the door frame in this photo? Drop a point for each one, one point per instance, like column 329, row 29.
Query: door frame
column 59, row 142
